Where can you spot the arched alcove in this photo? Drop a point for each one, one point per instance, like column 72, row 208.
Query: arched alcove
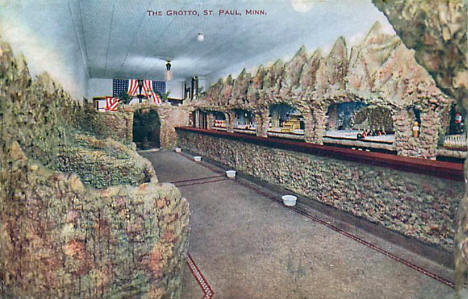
column 244, row 121
column 219, row 120
column 285, row 119
column 357, row 121
column 455, row 136
column 146, row 128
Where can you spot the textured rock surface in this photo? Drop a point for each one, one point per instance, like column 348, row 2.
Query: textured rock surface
column 59, row 236
column 59, row 239
column 170, row 118
column 437, row 31
column 103, row 163
column 418, row 206
column 380, row 71
column 116, row 125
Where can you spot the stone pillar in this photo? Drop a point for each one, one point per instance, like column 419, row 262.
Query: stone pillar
column 402, row 127
column 171, row 117
column 430, row 124
column 333, row 117
column 129, row 124
column 210, row 120
column 424, row 146
column 230, row 121
column 309, row 126
column 261, row 118
column 319, row 122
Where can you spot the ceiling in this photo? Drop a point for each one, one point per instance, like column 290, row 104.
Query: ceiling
column 121, row 40
column 118, row 39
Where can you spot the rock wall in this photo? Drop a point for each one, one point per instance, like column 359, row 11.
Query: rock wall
column 379, row 71
column 60, row 240
column 437, row 31
column 59, row 235
column 414, row 205
column 170, row 118
column 115, row 125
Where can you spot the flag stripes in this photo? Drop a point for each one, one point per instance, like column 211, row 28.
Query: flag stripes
column 119, row 86
column 112, row 104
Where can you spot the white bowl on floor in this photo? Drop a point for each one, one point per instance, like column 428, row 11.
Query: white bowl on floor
column 231, row 174
column 289, row 200
column 197, row 158
column 178, row 149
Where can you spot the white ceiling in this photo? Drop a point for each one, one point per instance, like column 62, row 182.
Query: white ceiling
column 122, row 41
column 118, row 39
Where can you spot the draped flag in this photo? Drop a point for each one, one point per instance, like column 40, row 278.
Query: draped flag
column 150, row 94
column 132, row 87
column 147, row 90
column 112, row 104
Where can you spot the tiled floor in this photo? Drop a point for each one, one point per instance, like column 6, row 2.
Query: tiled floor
column 248, row 246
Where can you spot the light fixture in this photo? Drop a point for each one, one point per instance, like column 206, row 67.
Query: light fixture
column 168, row 71
column 302, row 5
column 200, row 37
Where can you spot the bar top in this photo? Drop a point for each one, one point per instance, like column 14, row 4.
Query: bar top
column 445, row 170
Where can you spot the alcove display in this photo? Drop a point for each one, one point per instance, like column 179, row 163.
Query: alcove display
column 244, row 121
column 283, row 118
column 455, row 134
column 219, row 121
column 359, row 121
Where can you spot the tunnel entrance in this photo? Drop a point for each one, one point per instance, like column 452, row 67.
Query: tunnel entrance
column 146, row 129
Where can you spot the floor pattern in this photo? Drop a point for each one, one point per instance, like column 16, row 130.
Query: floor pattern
column 439, row 278
column 250, row 246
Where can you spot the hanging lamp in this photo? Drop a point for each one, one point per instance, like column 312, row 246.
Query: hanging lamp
column 168, row 71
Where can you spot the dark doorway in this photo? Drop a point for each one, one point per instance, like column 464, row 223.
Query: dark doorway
column 146, row 129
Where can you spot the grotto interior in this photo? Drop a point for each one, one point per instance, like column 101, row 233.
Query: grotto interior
column 205, row 150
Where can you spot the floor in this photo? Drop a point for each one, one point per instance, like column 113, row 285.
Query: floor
column 243, row 244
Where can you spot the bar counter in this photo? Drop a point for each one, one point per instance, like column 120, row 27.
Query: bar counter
column 440, row 169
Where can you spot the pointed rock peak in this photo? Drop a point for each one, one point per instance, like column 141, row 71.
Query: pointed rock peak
column 277, row 63
column 220, row 82
column 21, row 63
column 339, row 48
column 375, row 34
column 377, row 28
column 242, row 74
column 317, row 54
column 229, row 79
column 260, row 71
column 301, row 52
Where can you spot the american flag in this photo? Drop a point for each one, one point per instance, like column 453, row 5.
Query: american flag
column 119, row 86
column 112, row 104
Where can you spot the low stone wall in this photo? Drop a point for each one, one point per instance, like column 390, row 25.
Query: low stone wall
column 60, row 239
column 116, row 125
column 103, row 163
column 415, row 205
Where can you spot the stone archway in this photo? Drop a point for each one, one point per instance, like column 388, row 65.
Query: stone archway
column 146, row 128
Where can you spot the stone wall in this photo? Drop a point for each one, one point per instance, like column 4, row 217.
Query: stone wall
column 68, row 225
column 415, row 205
column 60, row 239
column 379, row 71
column 115, row 125
column 170, row 118
column 436, row 30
